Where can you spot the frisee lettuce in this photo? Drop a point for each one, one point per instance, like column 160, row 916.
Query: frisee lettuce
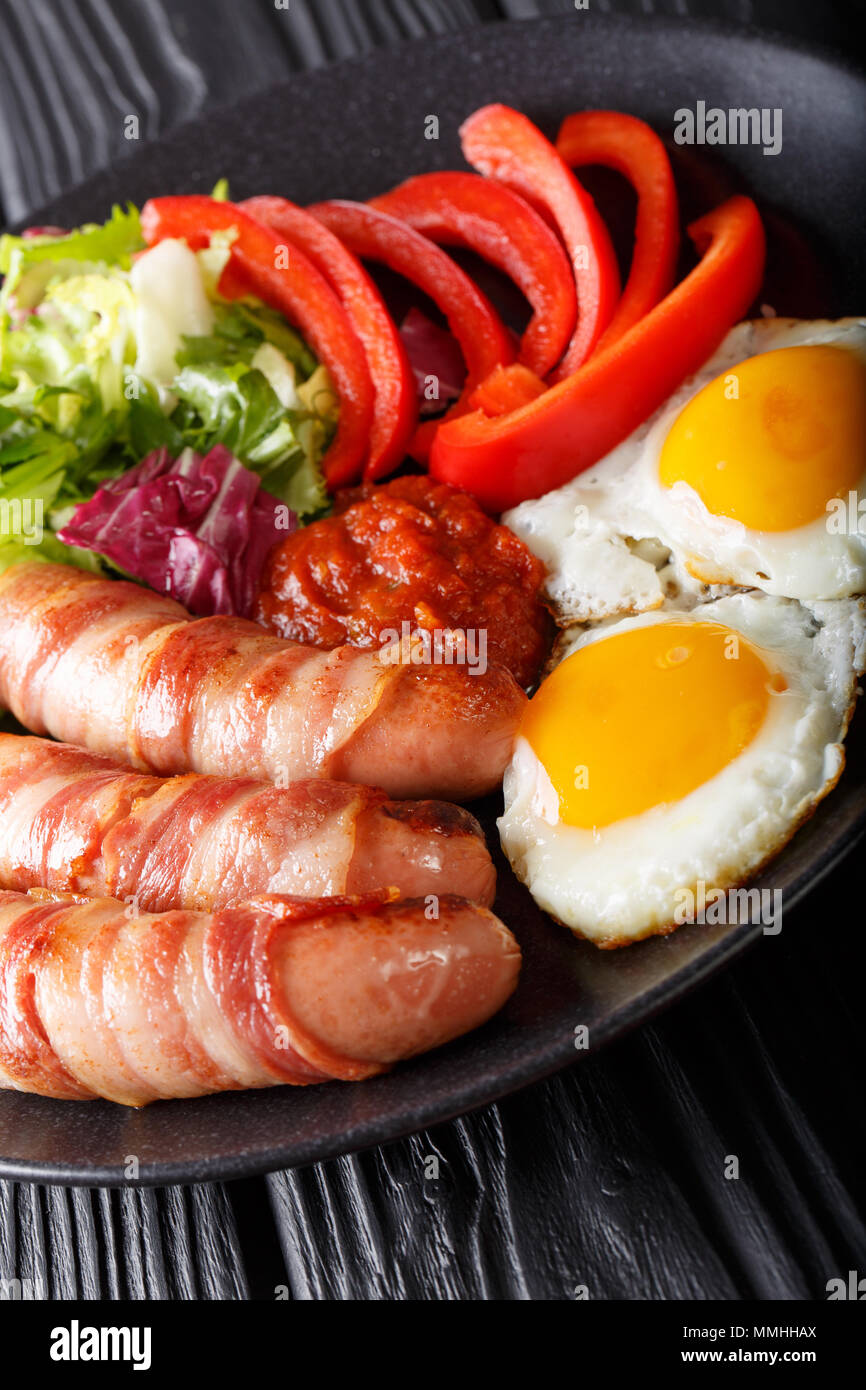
column 113, row 243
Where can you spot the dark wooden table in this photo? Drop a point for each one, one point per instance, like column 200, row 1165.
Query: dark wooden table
column 611, row 1175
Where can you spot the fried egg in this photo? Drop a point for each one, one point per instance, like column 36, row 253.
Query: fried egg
column 753, row 474
column 677, row 749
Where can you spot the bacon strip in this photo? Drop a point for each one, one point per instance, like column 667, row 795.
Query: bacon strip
column 124, row 672
column 72, row 821
column 94, row 1002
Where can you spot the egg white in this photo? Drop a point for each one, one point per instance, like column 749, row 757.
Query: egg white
column 624, row 881
column 617, row 541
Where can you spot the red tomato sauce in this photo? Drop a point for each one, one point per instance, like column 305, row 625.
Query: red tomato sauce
column 408, row 551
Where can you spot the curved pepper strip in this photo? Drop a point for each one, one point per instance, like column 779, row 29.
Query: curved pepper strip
column 630, row 146
column 504, row 145
column 300, row 292
column 457, row 209
column 484, row 340
column 545, row 444
column 395, row 406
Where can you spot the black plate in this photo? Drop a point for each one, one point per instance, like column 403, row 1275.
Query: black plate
column 351, row 131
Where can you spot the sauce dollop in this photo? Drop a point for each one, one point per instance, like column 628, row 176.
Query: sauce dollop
column 409, row 551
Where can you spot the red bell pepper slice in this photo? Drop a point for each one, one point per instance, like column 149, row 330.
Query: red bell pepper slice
column 506, row 389
column 545, row 444
column 300, row 292
column 395, row 407
column 630, row 146
column 503, row 144
column 484, row 340
column 457, row 209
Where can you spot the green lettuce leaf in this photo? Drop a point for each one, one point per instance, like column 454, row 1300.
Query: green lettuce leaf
column 113, row 242
column 239, row 331
column 236, row 406
column 51, row 551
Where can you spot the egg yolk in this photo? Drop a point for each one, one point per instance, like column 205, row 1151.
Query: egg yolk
column 645, row 716
column 771, row 441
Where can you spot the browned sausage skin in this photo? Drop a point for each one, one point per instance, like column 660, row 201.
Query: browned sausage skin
column 73, row 821
column 126, row 673
column 95, row 1002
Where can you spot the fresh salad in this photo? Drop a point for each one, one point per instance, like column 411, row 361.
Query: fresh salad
column 130, row 384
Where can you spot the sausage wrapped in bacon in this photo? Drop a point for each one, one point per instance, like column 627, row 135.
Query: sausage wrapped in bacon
column 72, row 821
column 127, row 673
column 94, row 1002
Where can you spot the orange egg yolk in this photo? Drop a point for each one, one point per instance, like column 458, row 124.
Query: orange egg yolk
column 645, row 716
column 770, row 442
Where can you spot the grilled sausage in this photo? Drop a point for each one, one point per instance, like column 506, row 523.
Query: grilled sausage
column 73, row 821
column 95, row 1002
column 124, row 672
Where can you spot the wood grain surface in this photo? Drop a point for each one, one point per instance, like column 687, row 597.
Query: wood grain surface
column 609, row 1178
